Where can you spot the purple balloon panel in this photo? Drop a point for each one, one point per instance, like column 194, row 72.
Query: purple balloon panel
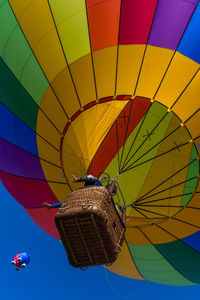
column 170, row 22
column 19, row 162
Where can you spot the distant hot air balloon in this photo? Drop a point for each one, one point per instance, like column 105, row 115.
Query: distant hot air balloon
column 21, row 260
column 109, row 87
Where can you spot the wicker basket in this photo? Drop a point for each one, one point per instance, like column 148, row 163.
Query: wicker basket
column 90, row 227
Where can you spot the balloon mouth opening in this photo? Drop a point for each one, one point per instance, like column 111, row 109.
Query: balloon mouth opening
column 152, row 144
column 146, row 143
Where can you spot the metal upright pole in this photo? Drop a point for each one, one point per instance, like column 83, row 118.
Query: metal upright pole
column 124, row 216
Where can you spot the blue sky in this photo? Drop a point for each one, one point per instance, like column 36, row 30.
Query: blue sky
column 49, row 275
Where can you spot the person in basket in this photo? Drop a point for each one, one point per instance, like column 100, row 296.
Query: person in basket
column 89, row 180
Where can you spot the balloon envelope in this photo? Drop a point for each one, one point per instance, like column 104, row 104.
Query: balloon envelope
column 107, row 87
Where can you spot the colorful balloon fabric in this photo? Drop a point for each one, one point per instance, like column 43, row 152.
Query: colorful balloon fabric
column 21, row 260
column 109, row 87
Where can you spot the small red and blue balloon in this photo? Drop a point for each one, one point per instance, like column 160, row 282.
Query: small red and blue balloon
column 21, row 260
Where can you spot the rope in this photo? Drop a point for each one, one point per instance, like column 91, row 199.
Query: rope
column 108, row 179
column 122, row 296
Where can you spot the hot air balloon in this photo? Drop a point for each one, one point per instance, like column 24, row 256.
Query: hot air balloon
column 108, row 87
column 21, row 260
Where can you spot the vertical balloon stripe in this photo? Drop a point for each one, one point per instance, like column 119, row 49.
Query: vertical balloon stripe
column 86, row 134
column 41, row 34
column 170, row 21
column 136, row 21
column 134, row 151
column 171, row 163
column 15, row 97
column 28, row 192
column 128, row 67
column 18, row 162
column 190, row 43
column 108, row 149
column 193, row 170
column 71, row 21
column 45, row 219
column 16, row 132
column 154, row 66
column 21, row 61
column 105, row 70
column 184, row 259
column 83, row 76
column 44, row 41
column 153, row 266
column 187, row 103
column 103, row 17
column 180, row 72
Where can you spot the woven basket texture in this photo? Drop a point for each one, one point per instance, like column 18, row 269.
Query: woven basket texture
column 90, row 227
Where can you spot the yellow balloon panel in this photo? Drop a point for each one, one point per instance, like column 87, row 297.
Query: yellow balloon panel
column 65, row 93
column 190, row 216
column 60, row 190
column 194, row 202
column 134, row 235
column 179, row 74
column 124, row 264
column 83, row 77
column 105, row 71
column 85, row 135
column 156, row 235
column 153, row 69
column 162, row 231
column 48, row 149
column 177, row 228
column 193, row 125
column 189, row 102
column 129, row 61
column 54, row 173
column 49, row 105
column 41, row 34
column 47, row 152
column 21, row 6
column 47, row 131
